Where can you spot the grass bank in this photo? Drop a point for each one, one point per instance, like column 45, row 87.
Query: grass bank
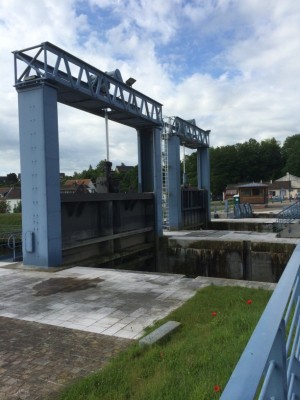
column 194, row 363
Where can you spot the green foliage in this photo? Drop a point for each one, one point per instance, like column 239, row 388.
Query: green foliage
column 188, row 365
column 242, row 162
column 290, row 153
column 10, row 221
column 4, row 207
column 12, row 178
column 18, row 207
column 128, row 180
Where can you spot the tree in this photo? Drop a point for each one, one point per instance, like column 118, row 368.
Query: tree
column 4, row 207
column 271, row 161
column 12, row 178
column 290, row 154
column 18, row 208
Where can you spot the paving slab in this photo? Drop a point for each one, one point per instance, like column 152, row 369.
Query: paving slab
column 58, row 325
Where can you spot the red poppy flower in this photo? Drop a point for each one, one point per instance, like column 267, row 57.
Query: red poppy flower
column 214, row 314
column 217, row 388
column 249, row 301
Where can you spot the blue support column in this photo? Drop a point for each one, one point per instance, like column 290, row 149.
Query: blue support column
column 40, row 184
column 149, row 169
column 203, row 173
column 175, row 214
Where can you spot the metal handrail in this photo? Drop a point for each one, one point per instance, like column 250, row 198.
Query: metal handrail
column 288, row 215
column 270, row 363
column 11, row 240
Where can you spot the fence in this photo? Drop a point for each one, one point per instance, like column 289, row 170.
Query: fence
column 269, row 367
column 11, row 243
column 288, row 215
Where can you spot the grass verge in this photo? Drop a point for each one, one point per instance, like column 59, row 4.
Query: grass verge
column 194, row 363
column 10, row 221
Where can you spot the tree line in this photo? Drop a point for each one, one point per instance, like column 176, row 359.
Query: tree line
column 251, row 161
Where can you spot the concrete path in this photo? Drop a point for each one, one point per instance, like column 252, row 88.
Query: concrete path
column 60, row 325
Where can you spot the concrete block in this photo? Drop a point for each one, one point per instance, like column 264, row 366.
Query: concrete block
column 159, row 333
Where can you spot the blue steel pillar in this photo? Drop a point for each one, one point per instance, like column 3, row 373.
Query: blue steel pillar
column 203, row 173
column 39, row 152
column 175, row 214
column 149, row 169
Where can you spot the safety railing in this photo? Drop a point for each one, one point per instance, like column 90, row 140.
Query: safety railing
column 269, row 367
column 11, row 244
column 287, row 216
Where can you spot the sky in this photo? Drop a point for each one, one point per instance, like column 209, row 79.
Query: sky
column 232, row 65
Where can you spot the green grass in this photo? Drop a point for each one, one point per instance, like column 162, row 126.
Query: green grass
column 11, row 221
column 200, row 355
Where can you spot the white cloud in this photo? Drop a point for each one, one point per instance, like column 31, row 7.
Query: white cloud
column 232, row 65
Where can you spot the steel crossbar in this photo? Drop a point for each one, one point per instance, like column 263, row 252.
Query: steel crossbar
column 85, row 87
column 269, row 367
column 189, row 133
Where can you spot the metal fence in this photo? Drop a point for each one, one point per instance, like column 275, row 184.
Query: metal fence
column 10, row 243
column 287, row 216
column 269, row 367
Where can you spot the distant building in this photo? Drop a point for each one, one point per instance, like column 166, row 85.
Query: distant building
column 288, row 185
column 13, row 197
column 253, row 193
column 78, row 185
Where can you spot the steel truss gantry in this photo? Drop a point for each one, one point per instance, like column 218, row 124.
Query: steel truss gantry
column 176, row 132
column 44, row 76
column 82, row 86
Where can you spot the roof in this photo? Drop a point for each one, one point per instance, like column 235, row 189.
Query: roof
column 252, row 185
column 277, row 185
column 4, row 191
column 78, row 182
column 14, row 193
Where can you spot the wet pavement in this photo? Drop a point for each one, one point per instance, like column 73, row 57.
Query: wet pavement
column 59, row 325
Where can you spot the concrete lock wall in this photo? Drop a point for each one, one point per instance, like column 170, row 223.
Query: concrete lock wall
column 254, row 261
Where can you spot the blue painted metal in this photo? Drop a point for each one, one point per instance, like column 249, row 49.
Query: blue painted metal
column 45, row 75
column 203, row 173
column 287, row 216
column 85, row 87
column 190, row 135
column 174, row 204
column 269, row 367
column 243, row 210
column 39, row 153
column 176, row 132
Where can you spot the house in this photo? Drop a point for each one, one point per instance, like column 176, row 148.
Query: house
column 253, row 193
column 290, row 184
column 78, row 185
column 12, row 196
column 4, row 191
column 279, row 189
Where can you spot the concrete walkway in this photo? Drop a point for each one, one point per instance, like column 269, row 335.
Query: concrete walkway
column 56, row 326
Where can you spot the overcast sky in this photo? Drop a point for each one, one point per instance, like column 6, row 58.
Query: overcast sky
column 233, row 65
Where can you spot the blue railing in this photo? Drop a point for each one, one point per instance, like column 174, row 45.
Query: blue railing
column 287, row 216
column 269, row 367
